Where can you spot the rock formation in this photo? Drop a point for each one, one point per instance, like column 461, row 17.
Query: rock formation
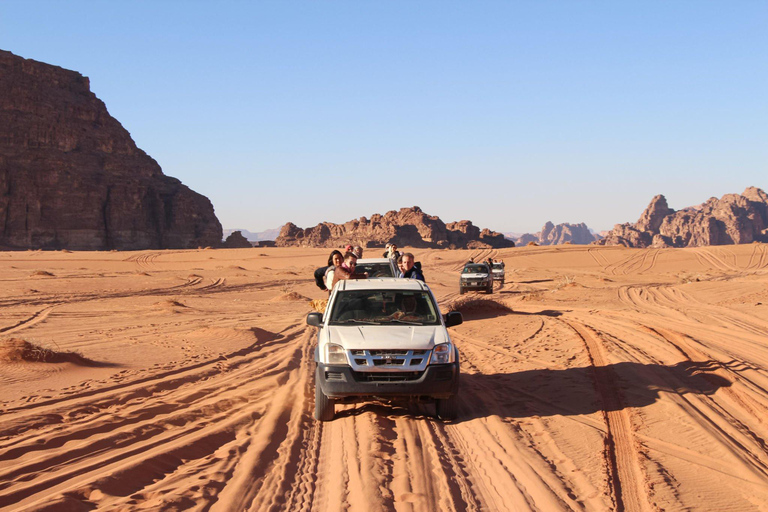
column 732, row 219
column 236, row 240
column 72, row 177
column 560, row 234
column 409, row 227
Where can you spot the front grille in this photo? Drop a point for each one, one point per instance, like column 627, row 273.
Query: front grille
column 388, row 352
column 381, row 359
column 388, row 362
column 387, row 376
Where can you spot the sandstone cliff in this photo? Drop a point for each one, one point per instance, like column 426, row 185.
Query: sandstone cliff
column 72, row 177
column 409, row 227
column 732, row 219
column 565, row 233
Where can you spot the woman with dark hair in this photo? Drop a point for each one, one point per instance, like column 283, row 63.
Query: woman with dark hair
column 335, row 260
column 338, row 260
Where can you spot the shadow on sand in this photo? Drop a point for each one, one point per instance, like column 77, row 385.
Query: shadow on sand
column 584, row 390
column 486, row 314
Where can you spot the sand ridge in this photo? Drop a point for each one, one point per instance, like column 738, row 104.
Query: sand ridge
column 595, row 378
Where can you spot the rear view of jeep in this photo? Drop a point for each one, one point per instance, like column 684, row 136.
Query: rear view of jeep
column 385, row 340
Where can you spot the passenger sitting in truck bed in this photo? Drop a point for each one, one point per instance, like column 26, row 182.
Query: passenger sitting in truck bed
column 358, row 251
column 392, row 252
column 344, row 271
column 321, row 274
column 400, row 266
column 409, row 269
column 334, row 260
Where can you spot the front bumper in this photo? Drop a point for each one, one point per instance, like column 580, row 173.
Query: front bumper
column 480, row 284
column 437, row 381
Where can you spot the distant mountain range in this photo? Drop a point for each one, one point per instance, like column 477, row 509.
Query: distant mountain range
column 565, row 233
column 732, row 219
column 407, row 227
column 269, row 234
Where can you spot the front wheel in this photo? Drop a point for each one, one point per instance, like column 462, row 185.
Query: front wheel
column 324, row 406
column 447, row 408
column 462, row 291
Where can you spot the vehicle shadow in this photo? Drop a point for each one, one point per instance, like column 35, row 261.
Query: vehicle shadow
column 584, row 390
column 485, row 314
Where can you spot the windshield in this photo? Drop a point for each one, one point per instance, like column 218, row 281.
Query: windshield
column 377, row 307
column 375, row 269
column 475, row 269
column 498, row 266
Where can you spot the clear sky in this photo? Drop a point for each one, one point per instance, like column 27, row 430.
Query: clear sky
column 508, row 114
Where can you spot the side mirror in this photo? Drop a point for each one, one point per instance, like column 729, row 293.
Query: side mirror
column 453, row 318
column 315, row 319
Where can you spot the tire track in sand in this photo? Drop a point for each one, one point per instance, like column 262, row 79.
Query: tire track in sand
column 626, row 475
column 29, row 321
column 243, row 433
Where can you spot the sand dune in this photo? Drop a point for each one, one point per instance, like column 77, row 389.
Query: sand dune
column 596, row 378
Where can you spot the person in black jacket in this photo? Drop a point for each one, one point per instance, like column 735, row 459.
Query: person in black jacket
column 411, row 270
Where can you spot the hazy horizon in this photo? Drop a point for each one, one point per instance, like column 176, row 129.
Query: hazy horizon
column 508, row 114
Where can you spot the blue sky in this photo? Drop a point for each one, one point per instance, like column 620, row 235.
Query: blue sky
column 508, row 114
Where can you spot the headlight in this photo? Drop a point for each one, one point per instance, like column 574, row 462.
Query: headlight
column 334, row 354
column 442, row 354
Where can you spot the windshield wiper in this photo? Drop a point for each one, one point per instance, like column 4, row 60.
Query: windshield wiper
column 355, row 321
column 407, row 322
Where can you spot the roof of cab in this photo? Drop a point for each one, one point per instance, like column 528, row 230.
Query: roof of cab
column 372, row 260
column 382, row 283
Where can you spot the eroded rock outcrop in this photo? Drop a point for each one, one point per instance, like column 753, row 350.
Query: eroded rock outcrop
column 236, row 240
column 72, row 177
column 409, row 227
column 732, row 219
column 565, row 233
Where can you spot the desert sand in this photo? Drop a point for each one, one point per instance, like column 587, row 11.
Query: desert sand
column 595, row 378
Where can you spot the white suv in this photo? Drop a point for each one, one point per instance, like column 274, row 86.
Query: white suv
column 384, row 339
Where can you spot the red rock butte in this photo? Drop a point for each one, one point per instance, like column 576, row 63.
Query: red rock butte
column 71, row 177
column 732, row 219
column 408, row 227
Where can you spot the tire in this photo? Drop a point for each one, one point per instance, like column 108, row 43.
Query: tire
column 324, row 406
column 447, row 408
column 502, row 282
column 462, row 291
column 490, row 289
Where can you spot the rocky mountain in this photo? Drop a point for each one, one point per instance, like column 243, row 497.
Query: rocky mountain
column 409, row 227
column 236, row 240
column 72, row 177
column 269, row 234
column 732, row 219
column 552, row 234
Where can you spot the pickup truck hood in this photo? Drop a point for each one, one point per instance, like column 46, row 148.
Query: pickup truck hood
column 473, row 276
column 401, row 337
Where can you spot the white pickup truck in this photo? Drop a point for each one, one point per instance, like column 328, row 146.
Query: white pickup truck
column 384, row 339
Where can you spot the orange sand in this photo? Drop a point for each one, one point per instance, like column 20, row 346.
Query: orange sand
column 603, row 378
